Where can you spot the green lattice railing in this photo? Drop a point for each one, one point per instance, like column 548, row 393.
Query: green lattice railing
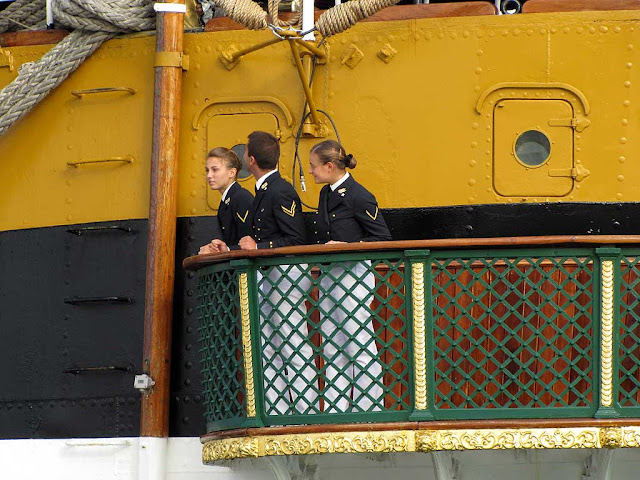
column 421, row 335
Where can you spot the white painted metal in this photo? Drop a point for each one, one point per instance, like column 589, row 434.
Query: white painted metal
column 598, row 465
column 49, row 14
column 126, row 459
column 445, row 466
column 308, row 19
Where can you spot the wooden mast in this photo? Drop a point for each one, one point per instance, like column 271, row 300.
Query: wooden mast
column 162, row 217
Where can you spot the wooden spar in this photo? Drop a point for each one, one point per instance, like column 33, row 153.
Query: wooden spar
column 154, row 420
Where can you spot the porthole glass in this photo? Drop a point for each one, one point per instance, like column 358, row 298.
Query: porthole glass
column 533, row 148
column 239, row 150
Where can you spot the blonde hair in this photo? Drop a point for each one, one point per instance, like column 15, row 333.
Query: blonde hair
column 228, row 156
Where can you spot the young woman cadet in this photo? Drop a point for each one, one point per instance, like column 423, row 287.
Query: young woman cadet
column 222, row 169
column 347, row 212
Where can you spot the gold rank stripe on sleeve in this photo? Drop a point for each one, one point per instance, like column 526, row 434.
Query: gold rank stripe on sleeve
column 242, row 219
column 374, row 216
column 291, row 211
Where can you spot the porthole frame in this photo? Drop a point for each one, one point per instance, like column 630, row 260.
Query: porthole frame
column 519, row 160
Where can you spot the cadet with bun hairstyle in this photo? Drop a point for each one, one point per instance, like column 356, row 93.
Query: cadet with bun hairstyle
column 222, row 169
column 347, row 212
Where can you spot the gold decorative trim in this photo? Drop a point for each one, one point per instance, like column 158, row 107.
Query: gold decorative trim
column 419, row 336
column 606, row 357
column 246, row 345
column 228, row 449
column 421, row 441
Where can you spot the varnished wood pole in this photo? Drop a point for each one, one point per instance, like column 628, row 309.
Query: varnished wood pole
column 162, row 227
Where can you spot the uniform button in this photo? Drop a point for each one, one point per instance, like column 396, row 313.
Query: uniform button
column 316, row 232
column 258, row 228
column 259, row 220
column 223, row 228
column 327, row 233
column 314, row 222
column 333, row 215
column 262, row 210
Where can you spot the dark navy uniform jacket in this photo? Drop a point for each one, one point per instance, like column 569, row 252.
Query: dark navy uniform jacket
column 234, row 213
column 276, row 214
column 349, row 214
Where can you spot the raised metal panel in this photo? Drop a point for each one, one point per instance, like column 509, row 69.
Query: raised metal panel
column 512, row 176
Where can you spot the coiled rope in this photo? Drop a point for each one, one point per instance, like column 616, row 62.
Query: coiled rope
column 23, row 14
column 341, row 17
column 93, row 21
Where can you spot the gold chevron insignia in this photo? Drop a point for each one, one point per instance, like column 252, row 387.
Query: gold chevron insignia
column 289, row 211
column 374, row 216
column 342, row 191
column 226, row 202
column 264, row 186
column 242, row 219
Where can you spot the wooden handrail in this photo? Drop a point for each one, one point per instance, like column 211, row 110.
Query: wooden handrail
column 434, row 425
column 198, row 261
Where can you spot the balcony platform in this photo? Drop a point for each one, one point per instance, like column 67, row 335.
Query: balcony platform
column 421, row 346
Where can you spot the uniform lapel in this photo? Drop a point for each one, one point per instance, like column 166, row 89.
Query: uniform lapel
column 325, row 193
column 338, row 195
column 260, row 194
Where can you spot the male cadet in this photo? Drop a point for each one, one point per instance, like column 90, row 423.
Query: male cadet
column 276, row 220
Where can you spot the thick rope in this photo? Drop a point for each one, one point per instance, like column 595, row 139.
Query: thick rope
column 94, row 21
column 246, row 12
column 21, row 14
column 273, row 7
column 341, row 17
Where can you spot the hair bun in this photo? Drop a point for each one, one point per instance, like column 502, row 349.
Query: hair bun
column 349, row 161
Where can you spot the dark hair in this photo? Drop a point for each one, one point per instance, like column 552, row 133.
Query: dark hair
column 331, row 151
column 265, row 148
column 229, row 157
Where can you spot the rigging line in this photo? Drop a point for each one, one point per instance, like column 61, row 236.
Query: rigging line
column 21, row 24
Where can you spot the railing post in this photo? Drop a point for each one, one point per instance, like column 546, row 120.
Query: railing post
column 417, row 277
column 609, row 324
column 247, row 290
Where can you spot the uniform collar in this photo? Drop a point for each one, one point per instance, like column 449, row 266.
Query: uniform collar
column 226, row 191
column 262, row 179
column 340, row 182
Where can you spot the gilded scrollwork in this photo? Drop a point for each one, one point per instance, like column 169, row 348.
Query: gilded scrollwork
column 246, row 344
column 227, row 449
column 606, row 357
column 419, row 336
column 630, row 437
column 352, row 442
column 427, row 441
column 611, row 438
column 422, row 441
column 504, row 439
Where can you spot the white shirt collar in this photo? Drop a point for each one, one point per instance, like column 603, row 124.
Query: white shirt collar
column 340, row 182
column 261, row 180
column 226, row 190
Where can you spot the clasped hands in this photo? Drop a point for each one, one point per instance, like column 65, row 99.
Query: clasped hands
column 218, row 246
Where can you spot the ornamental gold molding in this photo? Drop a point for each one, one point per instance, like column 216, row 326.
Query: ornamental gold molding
column 421, row 441
column 606, row 357
column 246, row 344
column 419, row 336
column 351, row 442
column 309, row 444
column 229, row 448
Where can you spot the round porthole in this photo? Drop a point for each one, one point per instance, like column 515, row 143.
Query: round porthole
column 533, row 148
column 239, row 150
